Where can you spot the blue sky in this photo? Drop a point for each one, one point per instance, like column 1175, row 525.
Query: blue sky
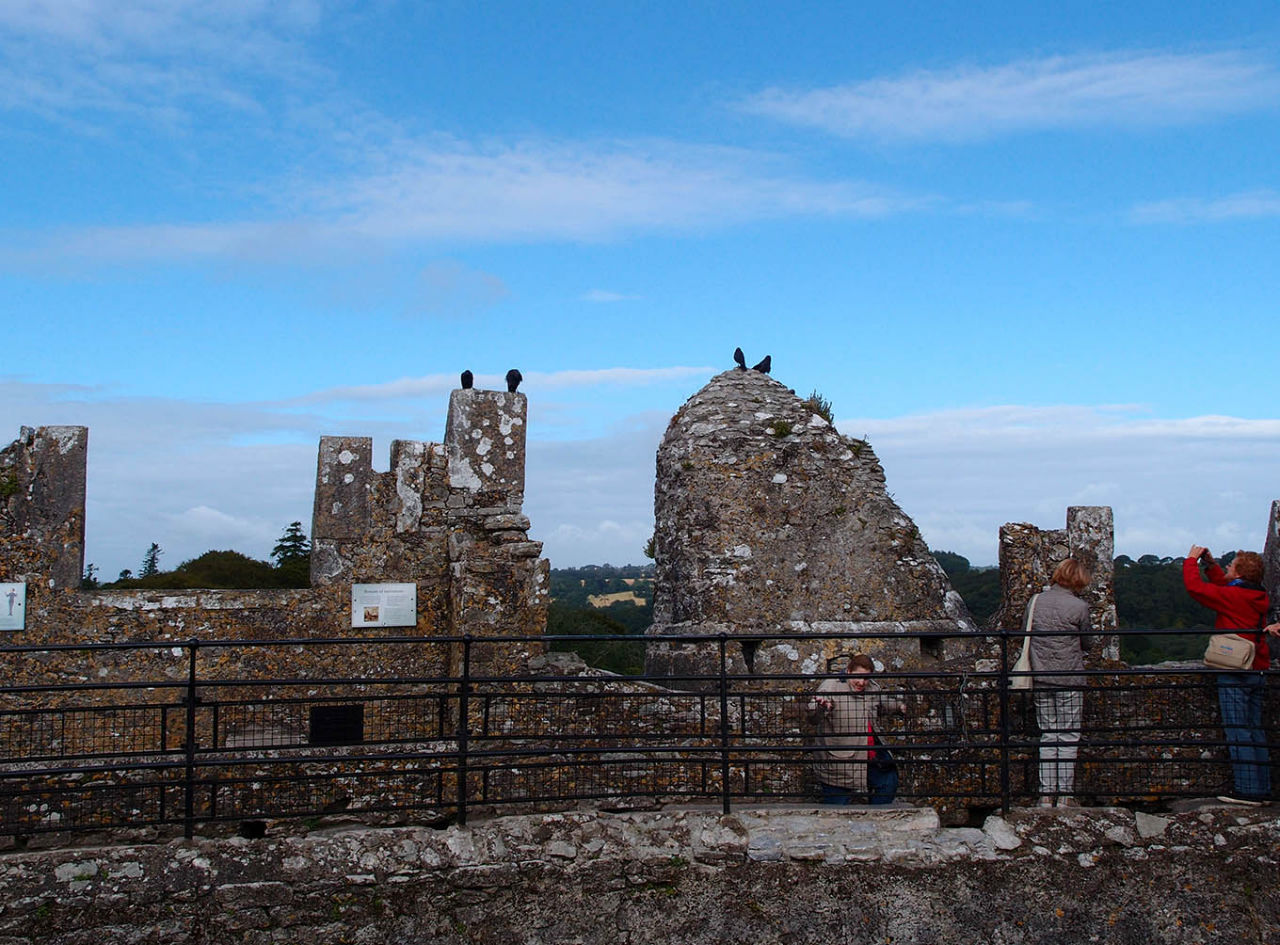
column 1029, row 250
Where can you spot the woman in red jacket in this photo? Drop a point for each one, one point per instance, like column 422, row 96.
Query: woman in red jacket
column 1237, row 597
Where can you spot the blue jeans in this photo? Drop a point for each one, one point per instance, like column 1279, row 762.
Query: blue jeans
column 882, row 787
column 1240, row 699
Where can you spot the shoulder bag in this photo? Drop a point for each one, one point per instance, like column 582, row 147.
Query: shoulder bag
column 1023, row 665
column 1229, row 651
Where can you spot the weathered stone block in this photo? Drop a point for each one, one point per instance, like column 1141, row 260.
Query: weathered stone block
column 485, row 447
column 42, row 490
column 767, row 519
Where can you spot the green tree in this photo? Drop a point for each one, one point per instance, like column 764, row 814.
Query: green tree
column 90, row 579
column 292, row 544
column 292, row 555
column 951, row 562
column 151, row 561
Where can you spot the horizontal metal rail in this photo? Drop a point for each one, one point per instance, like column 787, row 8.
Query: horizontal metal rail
column 209, row 742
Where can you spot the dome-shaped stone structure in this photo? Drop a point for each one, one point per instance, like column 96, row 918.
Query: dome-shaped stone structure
column 768, row 520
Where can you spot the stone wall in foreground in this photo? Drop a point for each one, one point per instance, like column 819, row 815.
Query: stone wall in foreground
column 781, row 874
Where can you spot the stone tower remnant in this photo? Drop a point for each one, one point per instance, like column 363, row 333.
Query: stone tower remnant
column 1028, row 556
column 1271, row 562
column 769, row 520
column 42, row 491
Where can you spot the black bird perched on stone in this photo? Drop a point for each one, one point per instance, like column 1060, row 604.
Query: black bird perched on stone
column 739, row 359
column 763, row 366
column 467, row 380
column 514, row 378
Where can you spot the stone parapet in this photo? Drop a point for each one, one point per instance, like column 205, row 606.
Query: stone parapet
column 693, row 875
column 444, row 517
column 485, row 447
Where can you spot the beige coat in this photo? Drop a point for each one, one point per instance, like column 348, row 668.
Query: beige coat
column 843, row 733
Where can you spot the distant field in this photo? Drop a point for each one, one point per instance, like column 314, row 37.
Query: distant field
column 604, row 600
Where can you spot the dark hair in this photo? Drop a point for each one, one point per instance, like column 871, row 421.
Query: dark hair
column 1248, row 566
column 1072, row 574
column 862, row 661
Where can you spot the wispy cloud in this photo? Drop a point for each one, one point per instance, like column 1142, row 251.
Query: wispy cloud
column 149, row 59
column 194, row 476
column 433, row 384
column 1251, row 205
column 522, row 192
column 965, row 104
column 962, row 474
column 604, row 297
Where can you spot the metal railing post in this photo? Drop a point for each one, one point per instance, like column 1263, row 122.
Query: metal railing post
column 724, row 725
column 189, row 813
column 464, row 709
column 1005, row 727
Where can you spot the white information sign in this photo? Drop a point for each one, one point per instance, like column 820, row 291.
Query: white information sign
column 384, row 605
column 13, row 606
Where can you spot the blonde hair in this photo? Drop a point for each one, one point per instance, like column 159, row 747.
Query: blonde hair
column 1072, row 574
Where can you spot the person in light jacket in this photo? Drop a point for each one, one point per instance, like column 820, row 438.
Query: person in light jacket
column 1060, row 634
column 844, row 711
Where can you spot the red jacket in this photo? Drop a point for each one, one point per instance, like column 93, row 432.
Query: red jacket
column 1239, row 607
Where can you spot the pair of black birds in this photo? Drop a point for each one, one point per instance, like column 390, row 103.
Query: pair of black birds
column 514, row 378
column 740, row 360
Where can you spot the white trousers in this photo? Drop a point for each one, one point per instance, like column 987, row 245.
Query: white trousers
column 1058, row 713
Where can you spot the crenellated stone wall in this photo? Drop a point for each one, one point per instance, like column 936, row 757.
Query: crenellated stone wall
column 445, row 517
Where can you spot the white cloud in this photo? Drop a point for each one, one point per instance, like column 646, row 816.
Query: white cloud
column 433, row 384
column 78, row 60
column 962, row 474
column 1250, row 205
column 969, row 103
column 194, row 476
column 450, row 191
column 603, row 296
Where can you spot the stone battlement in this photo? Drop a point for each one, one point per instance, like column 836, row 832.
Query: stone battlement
column 446, row 517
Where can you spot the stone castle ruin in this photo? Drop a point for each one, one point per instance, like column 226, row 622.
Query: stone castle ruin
column 445, row 518
column 770, row 521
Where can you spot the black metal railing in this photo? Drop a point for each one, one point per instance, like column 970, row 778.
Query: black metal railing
column 182, row 734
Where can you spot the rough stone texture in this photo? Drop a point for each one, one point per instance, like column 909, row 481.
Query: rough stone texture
column 485, row 444
column 782, row 874
column 42, row 484
column 1271, row 561
column 1028, row 556
column 768, row 519
column 462, row 541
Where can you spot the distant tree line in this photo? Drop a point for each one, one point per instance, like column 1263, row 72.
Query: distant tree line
column 290, row 566
column 1149, row 595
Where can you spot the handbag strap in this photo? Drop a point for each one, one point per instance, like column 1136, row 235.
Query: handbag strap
column 1026, row 627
